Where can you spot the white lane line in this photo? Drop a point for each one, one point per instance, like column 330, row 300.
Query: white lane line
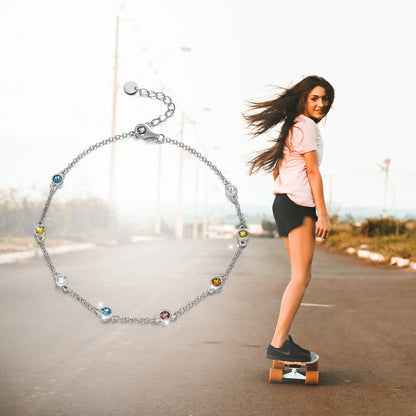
column 317, row 305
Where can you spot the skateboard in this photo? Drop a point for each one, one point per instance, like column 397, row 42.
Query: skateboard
column 310, row 373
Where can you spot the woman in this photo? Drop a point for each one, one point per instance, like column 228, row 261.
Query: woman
column 299, row 207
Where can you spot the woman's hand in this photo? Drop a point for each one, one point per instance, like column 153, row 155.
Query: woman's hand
column 322, row 226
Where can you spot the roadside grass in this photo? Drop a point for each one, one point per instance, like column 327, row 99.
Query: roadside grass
column 402, row 245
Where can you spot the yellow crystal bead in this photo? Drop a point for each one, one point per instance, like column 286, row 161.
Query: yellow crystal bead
column 216, row 281
column 40, row 229
column 243, row 233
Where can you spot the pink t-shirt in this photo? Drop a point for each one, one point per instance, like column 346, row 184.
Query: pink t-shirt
column 293, row 179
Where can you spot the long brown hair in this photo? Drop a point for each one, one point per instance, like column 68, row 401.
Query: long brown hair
column 284, row 108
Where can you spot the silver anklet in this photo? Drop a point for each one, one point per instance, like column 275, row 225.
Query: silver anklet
column 145, row 133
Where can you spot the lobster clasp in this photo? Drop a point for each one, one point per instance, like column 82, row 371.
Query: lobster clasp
column 143, row 131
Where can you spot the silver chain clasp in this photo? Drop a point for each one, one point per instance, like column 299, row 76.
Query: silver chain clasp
column 143, row 131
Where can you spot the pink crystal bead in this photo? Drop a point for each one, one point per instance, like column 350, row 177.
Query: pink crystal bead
column 164, row 315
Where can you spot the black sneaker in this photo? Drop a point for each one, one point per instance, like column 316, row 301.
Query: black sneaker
column 298, row 347
column 287, row 352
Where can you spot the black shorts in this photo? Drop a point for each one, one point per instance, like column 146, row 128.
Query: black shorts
column 289, row 215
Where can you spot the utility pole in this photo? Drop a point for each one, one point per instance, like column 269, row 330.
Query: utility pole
column 179, row 215
column 195, row 225
column 385, row 167
column 113, row 128
column 205, row 219
column 158, row 217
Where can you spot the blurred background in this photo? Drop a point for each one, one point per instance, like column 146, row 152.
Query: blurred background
column 64, row 65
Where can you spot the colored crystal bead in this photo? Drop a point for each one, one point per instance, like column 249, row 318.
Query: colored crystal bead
column 106, row 311
column 243, row 233
column 40, row 229
column 216, row 281
column 57, row 179
column 164, row 315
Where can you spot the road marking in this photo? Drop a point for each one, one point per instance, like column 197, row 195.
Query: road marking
column 317, row 305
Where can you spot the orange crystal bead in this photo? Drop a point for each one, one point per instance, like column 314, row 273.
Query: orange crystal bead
column 216, row 281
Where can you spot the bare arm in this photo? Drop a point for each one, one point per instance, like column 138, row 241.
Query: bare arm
column 315, row 180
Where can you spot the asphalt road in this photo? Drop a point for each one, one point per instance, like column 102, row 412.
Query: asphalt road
column 57, row 358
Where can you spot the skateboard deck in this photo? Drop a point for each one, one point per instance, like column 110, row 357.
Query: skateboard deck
column 309, row 372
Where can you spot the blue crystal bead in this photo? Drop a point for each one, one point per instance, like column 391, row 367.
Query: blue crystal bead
column 106, row 311
column 57, row 179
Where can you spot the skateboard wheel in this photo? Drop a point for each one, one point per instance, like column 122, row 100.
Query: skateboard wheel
column 313, row 367
column 275, row 375
column 278, row 364
column 312, row 377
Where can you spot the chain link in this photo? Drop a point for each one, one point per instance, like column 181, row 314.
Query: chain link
column 47, row 204
column 95, row 147
column 46, row 256
column 143, row 92
column 79, row 298
column 231, row 193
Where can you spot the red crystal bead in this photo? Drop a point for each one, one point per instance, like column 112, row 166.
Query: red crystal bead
column 164, row 315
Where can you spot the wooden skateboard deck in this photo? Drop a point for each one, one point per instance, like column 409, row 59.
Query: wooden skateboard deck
column 311, row 370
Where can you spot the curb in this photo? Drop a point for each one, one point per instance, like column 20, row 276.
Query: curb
column 377, row 257
column 24, row 255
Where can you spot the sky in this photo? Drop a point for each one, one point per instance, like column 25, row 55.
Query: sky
column 56, row 83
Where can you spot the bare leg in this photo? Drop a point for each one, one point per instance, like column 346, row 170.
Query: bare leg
column 300, row 245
